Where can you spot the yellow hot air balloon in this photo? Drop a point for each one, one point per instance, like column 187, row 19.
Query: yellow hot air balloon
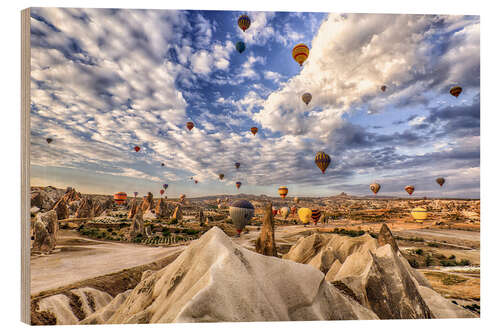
column 300, row 53
column 419, row 214
column 283, row 191
column 305, row 215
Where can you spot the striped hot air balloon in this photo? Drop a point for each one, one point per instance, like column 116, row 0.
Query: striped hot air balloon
column 300, row 53
column 241, row 212
column 456, row 91
column 419, row 214
column 322, row 160
column 306, row 98
column 410, row 189
column 120, row 198
column 189, row 125
column 244, row 22
column 315, row 215
column 283, row 191
column 254, row 130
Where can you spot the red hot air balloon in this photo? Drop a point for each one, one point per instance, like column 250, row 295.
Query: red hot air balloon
column 254, row 130
column 238, row 185
column 137, row 148
column 316, row 214
column 195, row 181
column 410, row 189
column 383, row 88
column 120, row 198
column 189, row 125
column 162, row 191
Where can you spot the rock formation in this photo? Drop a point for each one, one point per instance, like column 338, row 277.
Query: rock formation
column 133, row 208
column 177, row 213
column 265, row 243
column 85, row 208
column 375, row 273
column 147, row 203
column 385, row 237
column 45, row 231
column 217, row 280
column 137, row 225
column 201, row 217
column 61, row 209
column 161, row 209
column 97, row 208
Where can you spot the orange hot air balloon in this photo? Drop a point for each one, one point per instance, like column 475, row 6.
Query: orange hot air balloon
column 300, row 53
column 283, row 191
column 238, row 185
column 189, row 125
column 306, row 98
column 137, row 148
column 383, row 88
column 120, row 198
column 254, row 130
column 456, row 91
column 410, row 189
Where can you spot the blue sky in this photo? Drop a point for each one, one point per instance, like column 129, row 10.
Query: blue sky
column 106, row 80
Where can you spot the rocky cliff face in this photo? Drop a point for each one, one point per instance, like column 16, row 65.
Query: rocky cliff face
column 45, row 231
column 376, row 274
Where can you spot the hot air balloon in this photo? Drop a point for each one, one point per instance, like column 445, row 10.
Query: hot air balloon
column 221, row 176
column 49, row 140
column 409, row 189
column 383, row 88
column 165, row 186
column 322, row 160
column 162, row 191
column 196, row 181
column 244, row 22
column 219, row 206
column 238, row 184
column 120, row 198
column 218, row 201
column 315, row 215
column 237, row 165
column 296, row 199
column 135, row 194
column 163, row 164
column 283, row 191
column 293, row 210
column 182, row 197
column 254, row 130
column 306, row 98
column 419, row 214
column 455, row 91
column 189, row 125
column 300, row 53
column 284, row 211
column 440, row 181
column 241, row 212
column 375, row 187
column 240, row 47
column 305, row 215
column 137, row 148
column 275, row 211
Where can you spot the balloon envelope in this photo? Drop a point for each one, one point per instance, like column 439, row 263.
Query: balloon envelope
column 383, row 88
column 238, row 184
column 241, row 212
column 189, row 125
column 440, row 181
column 237, row 165
column 165, row 186
column 300, row 53
column 283, row 191
column 120, row 198
column 240, row 47
column 244, row 22
column 315, row 215
column 410, row 189
column 137, row 148
column 375, row 187
column 221, row 176
column 322, row 160
column 419, row 214
column 162, row 191
column 306, row 98
column 456, row 91
column 49, row 140
column 296, row 199
column 254, row 130
column 305, row 215
column 284, row 211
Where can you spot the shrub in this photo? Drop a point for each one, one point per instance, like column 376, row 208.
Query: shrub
column 109, row 230
column 451, row 257
column 432, row 244
column 463, row 262
column 413, row 263
column 428, row 260
column 419, row 252
column 173, row 221
column 191, row 232
column 113, row 233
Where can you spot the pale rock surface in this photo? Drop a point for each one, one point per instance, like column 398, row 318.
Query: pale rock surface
column 45, row 231
column 215, row 280
column 103, row 314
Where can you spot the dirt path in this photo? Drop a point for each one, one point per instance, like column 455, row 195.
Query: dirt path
column 79, row 258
